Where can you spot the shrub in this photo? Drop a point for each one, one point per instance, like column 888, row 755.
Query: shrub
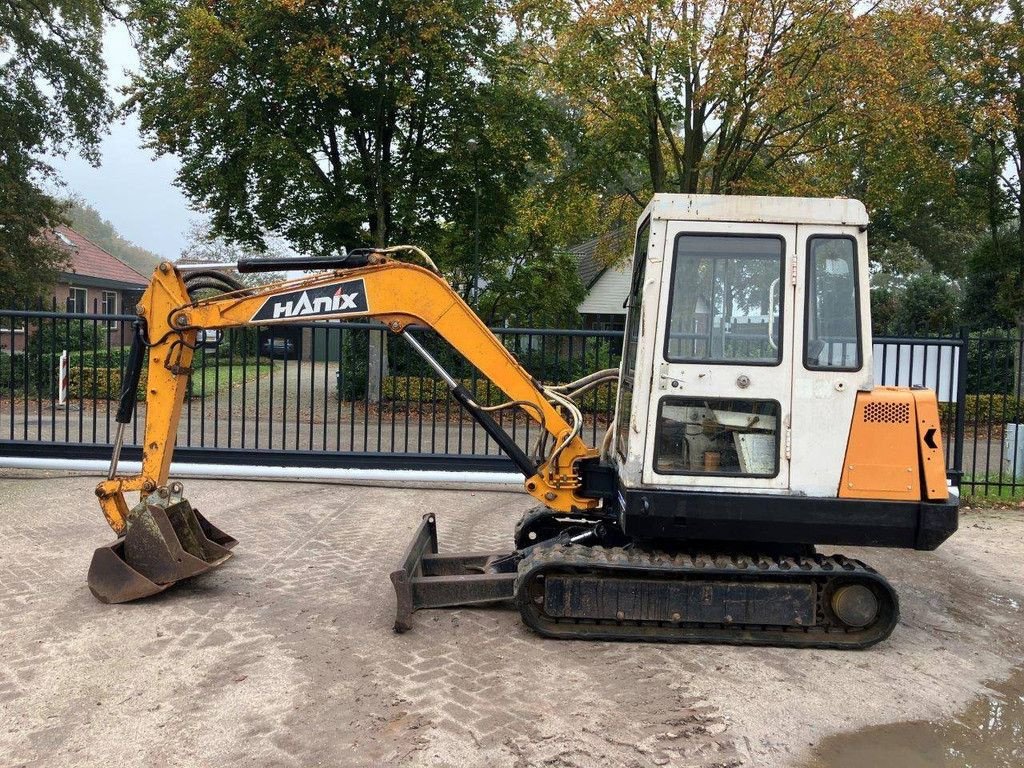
column 354, row 366
column 415, row 389
column 240, row 342
column 565, row 358
column 553, row 359
column 982, row 410
column 72, row 334
column 235, row 345
column 100, row 383
column 991, row 357
column 12, row 371
column 112, row 357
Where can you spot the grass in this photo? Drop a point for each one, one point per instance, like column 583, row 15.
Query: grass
column 223, row 377
column 1000, row 490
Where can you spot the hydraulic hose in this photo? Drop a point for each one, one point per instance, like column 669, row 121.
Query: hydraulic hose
column 129, row 388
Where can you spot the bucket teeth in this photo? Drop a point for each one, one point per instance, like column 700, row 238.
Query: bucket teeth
column 162, row 545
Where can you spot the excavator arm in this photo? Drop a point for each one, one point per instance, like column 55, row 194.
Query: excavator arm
column 398, row 294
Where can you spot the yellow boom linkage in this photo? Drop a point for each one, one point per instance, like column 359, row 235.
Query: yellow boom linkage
column 397, row 293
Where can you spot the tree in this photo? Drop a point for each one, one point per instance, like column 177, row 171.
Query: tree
column 928, row 305
column 87, row 220
column 536, row 283
column 989, row 84
column 885, row 305
column 204, row 247
column 29, row 263
column 52, row 101
column 758, row 96
column 518, row 197
column 991, row 296
column 329, row 124
column 333, row 125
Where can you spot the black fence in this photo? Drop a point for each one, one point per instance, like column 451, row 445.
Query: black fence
column 296, row 395
column 307, row 395
column 993, row 409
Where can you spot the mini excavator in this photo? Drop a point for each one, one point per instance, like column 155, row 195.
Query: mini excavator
column 747, row 432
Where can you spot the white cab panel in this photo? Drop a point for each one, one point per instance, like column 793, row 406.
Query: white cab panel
column 744, row 386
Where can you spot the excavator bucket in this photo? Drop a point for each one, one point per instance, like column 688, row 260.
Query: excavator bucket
column 165, row 542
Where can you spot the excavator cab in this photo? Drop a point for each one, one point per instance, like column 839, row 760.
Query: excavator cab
column 747, row 433
column 747, row 410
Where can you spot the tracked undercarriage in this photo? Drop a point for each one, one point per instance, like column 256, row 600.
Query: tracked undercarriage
column 578, row 582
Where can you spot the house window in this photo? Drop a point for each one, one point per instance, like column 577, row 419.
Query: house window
column 110, row 306
column 78, row 300
column 608, row 322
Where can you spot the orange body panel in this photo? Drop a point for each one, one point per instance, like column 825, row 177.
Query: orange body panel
column 929, row 439
column 894, row 450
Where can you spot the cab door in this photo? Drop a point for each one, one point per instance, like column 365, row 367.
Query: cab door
column 832, row 360
column 719, row 412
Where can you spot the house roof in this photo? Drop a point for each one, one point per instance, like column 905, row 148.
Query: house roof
column 594, row 256
column 88, row 260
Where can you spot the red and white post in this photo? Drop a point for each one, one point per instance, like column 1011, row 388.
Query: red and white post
column 62, row 379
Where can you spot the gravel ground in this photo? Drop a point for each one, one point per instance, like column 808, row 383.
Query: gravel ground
column 285, row 655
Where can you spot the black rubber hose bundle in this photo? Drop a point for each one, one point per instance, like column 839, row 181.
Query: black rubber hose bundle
column 212, row 279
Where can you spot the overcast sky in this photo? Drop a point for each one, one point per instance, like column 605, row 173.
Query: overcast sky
column 130, row 189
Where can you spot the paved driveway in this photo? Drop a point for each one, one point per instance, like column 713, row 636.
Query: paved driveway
column 285, row 656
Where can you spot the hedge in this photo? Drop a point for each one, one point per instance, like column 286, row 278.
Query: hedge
column 422, row 389
column 559, row 359
column 12, row 371
column 42, row 366
column 100, row 383
column 984, row 409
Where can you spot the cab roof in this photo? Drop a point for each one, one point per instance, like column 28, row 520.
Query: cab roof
column 766, row 210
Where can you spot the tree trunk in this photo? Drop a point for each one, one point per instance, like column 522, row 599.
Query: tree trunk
column 655, row 159
column 377, row 365
column 1017, row 387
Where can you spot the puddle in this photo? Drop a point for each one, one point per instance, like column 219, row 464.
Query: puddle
column 1002, row 601
column 988, row 734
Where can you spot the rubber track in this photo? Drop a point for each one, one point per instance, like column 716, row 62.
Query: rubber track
column 825, row 571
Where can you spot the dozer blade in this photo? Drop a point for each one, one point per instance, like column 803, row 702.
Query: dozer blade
column 163, row 545
column 426, row 579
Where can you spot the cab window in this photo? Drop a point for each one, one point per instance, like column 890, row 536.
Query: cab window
column 632, row 336
column 832, row 322
column 717, row 436
column 725, row 305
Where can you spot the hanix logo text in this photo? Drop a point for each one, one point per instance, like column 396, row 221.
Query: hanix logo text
column 334, row 299
column 322, row 305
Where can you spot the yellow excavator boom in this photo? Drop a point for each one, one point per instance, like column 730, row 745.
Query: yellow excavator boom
column 396, row 293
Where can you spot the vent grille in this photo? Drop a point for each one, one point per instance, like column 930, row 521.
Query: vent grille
column 887, row 413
